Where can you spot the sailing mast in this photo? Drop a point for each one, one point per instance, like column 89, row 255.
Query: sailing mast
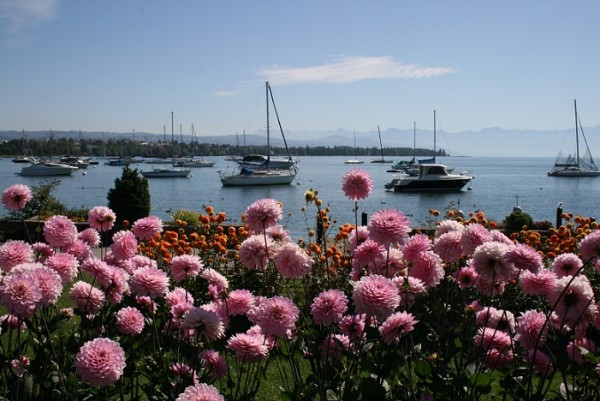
column 576, row 132
column 434, row 136
column 268, row 128
column 380, row 144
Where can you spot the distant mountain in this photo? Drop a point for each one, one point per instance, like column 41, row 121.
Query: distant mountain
column 485, row 142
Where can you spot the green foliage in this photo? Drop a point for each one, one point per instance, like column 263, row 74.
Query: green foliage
column 130, row 197
column 191, row 217
column 517, row 220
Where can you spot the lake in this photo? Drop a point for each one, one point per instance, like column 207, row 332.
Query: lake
column 499, row 185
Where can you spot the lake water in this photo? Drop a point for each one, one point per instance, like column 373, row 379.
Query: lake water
column 499, row 185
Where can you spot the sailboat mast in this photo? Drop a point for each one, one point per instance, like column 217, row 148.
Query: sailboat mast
column 414, row 139
column 576, row 131
column 434, row 135
column 380, row 143
column 268, row 133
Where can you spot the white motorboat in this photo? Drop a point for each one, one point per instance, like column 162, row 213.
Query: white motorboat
column 166, row 173
column 47, row 169
column 431, row 177
column 193, row 163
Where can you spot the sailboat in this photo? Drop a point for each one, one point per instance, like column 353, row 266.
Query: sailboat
column 403, row 165
column 168, row 172
column 382, row 160
column 355, row 160
column 191, row 161
column 574, row 165
column 262, row 174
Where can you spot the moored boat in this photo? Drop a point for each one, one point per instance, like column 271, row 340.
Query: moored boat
column 47, row 169
column 431, row 177
column 166, row 173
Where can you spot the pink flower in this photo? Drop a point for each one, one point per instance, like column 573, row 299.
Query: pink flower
column 87, row 298
column 574, row 349
column 254, row 252
column 184, row 266
column 353, row 325
column 146, row 227
column 149, row 281
column 124, row 245
column 275, row 315
column 376, row 296
column 491, row 317
column 427, row 267
column 532, row 329
column 567, row 264
column 473, row 236
column 278, row 233
column 369, row 254
column 498, row 358
column 334, row 345
column 50, row 284
column 353, row 242
column 466, row 276
column 409, row 288
column 79, row 249
column 357, row 184
column 395, row 326
column 16, row 196
column 101, row 218
column 489, row 260
column 540, row 361
column 448, row 246
column 212, row 361
column 499, row 236
column 42, row 251
column 537, row 284
column 20, row 365
column 200, row 392
column 389, row 227
column 570, row 298
column 263, row 214
column 59, row 231
column 90, row 237
column 589, row 246
column 291, row 261
column 488, row 338
column 448, row 226
column 248, row 347
column 329, row 307
column 177, row 296
column 215, row 279
column 207, row 324
column 416, row 245
column 20, row 294
column 15, row 252
column 97, row 268
column 130, row 321
column 100, row 362
column 525, row 257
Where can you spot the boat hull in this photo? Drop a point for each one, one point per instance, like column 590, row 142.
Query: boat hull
column 444, row 185
column 257, row 179
column 47, row 170
column 166, row 173
column 574, row 173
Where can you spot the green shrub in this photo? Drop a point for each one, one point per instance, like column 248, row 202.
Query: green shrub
column 42, row 203
column 130, row 198
column 517, row 220
column 191, row 217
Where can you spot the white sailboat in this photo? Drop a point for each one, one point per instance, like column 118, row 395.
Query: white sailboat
column 355, row 160
column 165, row 172
column 263, row 174
column 575, row 165
column 382, row 160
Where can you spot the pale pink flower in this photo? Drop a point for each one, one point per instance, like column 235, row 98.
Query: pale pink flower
column 532, row 329
column 589, row 246
column 524, row 257
column 275, row 315
column 263, row 214
column 353, row 241
column 353, row 325
column 200, row 392
column 90, row 237
column 216, row 279
column 130, row 321
column 100, row 362
column 491, row 317
column 138, row 261
column 570, row 298
column 147, row 303
column 396, row 264
column 97, row 268
column 466, row 277
column 448, row 246
column 149, row 281
column 20, row 294
column 357, row 184
column 101, row 218
column 50, row 284
column 499, row 236
column 473, row 236
column 254, row 252
column 66, row 265
column 42, row 251
column 278, row 233
column 79, row 249
column 16, row 196
column 185, row 266
column 427, row 267
column 117, row 285
column 447, row 226
column 177, row 296
column 178, row 311
column 87, row 298
column 146, row 227
column 207, row 324
column 388, row 227
column 376, row 296
column 212, row 361
column 329, row 307
column 537, row 284
column 416, row 245
column 15, row 252
column 409, row 288
column 59, row 231
column 19, row 366
column 124, row 245
column 12, row 323
column 490, row 289
column 239, row 302
column 369, row 255
column 567, row 264
column 395, row 326
column 334, row 346
column 489, row 260
column 248, row 347
column 291, row 261
column 489, row 338
column 540, row 361
column 220, row 309
column 574, row 351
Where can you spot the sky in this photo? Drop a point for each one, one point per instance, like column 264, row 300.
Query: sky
column 130, row 65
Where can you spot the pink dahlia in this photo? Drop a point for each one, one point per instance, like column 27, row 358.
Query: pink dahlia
column 329, row 307
column 200, row 392
column 263, row 214
column 20, row 294
column 124, row 245
column 473, row 236
column 537, row 284
column 101, row 218
column 216, row 280
column 334, row 345
column 531, row 330
column 525, row 257
column 90, row 237
column 278, row 233
column 353, row 325
column 490, row 261
column 42, row 251
column 275, row 315
column 185, row 266
column 87, row 298
column 540, row 361
column 212, row 361
column 254, row 252
column 248, row 347
column 448, row 226
column 59, row 231
column 207, row 324
column 491, row 317
column 567, row 264
column 149, row 281
column 15, row 252
column 368, row 255
column 409, row 288
column 117, row 286
column 177, row 296
column 239, row 302
column 130, row 321
column 98, row 269
column 357, row 237
column 20, row 365
column 146, row 227
column 100, row 362
column 388, row 227
column 66, row 265
column 16, row 196
column 427, row 267
column 396, row 325
column 50, row 284
column 138, row 261
column 499, row 236
column 416, row 245
column 449, row 246
column 589, row 246
column 574, row 349
column 488, row 338
column 396, row 264
column 79, row 249
column 376, row 296
column 291, row 261
column 570, row 298
column 357, row 184
column 466, row 276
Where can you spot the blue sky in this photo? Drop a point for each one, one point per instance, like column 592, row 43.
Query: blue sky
column 120, row 66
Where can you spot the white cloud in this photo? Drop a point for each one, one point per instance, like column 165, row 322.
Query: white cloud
column 350, row 69
column 19, row 17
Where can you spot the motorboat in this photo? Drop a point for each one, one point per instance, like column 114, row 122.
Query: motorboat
column 431, row 177
column 166, row 173
column 24, row 159
column 193, row 163
column 47, row 169
column 251, row 177
column 74, row 161
column 117, row 162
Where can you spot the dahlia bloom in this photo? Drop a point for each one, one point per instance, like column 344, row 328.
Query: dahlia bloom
column 291, row 261
column 570, row 298
column 130, row 321
column 567, row 264
column 491, row 317
column 15, row 252
column 275, row 315
column 79, row 249
column 87, row 298
column 90, row 237
column 357, row 184
column 16, row 196
column 357, row 237
column 369, row 254
column 149, row 281
column 19, row 366
column 42, row 251
column 589, row 246
column 212, row 361
column 20, row 294
column 184, row 266
column 448, row 226
column 416, row 245
column 524, row 257
column 466, row 277
column 540, row 361
column 200, row 392
column 574, row 351
column 50, row 284
column 206, row 323
column 254, row 252
column 448, row 246
column 537, row 284
column 353, row 325
column 532, row 329
column 59, row 231
column 388, row 227
column 263, row 214
column 248, row 347
column 97, row 268
column 146, row 227
column 376, row 296
column 124, row 245
column 177, row 296
column 488, row 338
column 101, row 218
column 334, row 345
column 489, row 260
column 409, row 288
column 427, row 267
column 473, row 236
column 278, row 233
column 329, row 307
column 216, row 280
column 395, row 326
column 239, row 302
column 100, row 362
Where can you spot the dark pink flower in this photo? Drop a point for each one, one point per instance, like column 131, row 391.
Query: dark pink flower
column 525, row 257
column 185, row 266
column 101, row 218
column 100, row 362
column 200, row 392
column 130, row 321
column 263, row 214
column 248, row 347
column 357, row 184
column 376, row 296
column 531, row 330
column 146, row 227
column 409, row 288
column 488, row 338
column 567, row 264
column 59, row 231
column 496, row 319
column 87, row 298
column 254, row 252
column 124, row 245
column 275, row 315
column 396, row 325
column 19, row 366
column 212, row 361
column 448, row 246
column 574, row 349
column 291, row 261
column 369, row 255
column 15, row 252
column 20, row 294
column 466, row 276
column 353, row 325
column 239, row 302
column 540, row 361
column 16, row 196
column 149, row 281
column 329, row 307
